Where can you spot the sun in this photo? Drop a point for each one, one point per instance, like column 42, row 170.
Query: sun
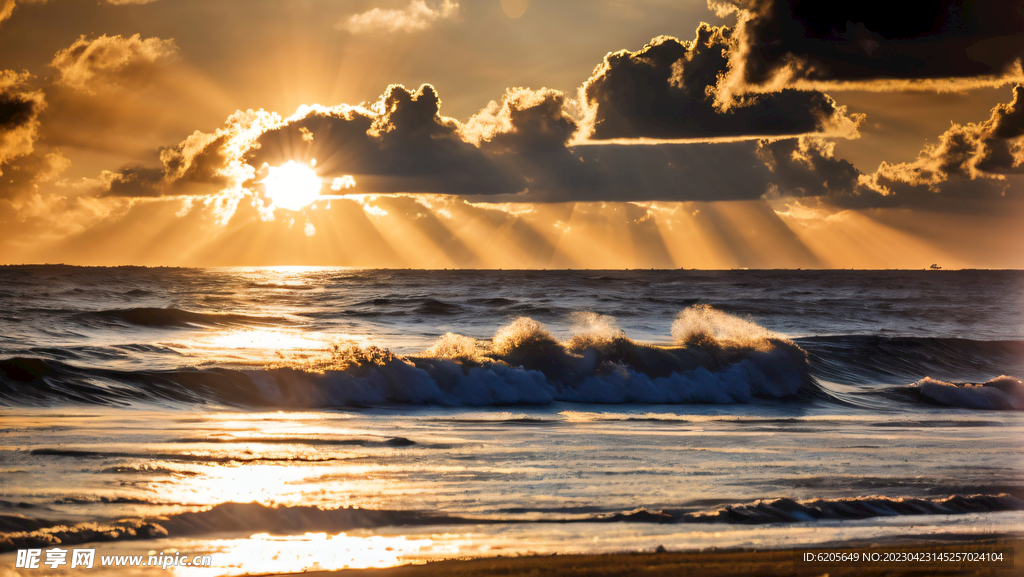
column 292, row 186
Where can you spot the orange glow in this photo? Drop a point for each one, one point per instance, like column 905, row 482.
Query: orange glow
column 404, row 231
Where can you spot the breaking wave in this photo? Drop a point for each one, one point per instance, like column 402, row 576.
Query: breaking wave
column 715, row 358
column 1000, row 393
column 718, row 359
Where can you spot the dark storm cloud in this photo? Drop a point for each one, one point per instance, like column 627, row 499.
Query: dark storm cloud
column 784, row 41
column 523, row 148
column 530, row 133
column 808, row 167
column 20, row 106
column 405, row 146
column 518, row 149
column 666, row 91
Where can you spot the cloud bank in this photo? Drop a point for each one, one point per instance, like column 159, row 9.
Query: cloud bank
column 526, row 146
column 518, row 149
column 946, row 44
column 666, row 91
column 523, row 148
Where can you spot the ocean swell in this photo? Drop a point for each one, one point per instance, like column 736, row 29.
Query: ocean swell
column 717, row 359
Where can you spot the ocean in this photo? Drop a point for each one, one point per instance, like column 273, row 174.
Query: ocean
column 290, row 419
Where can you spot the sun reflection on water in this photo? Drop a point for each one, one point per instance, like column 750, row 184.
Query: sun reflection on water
column 264, row 553
column 263, row 345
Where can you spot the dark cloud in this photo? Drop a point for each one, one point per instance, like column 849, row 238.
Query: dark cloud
column 972, row 166
column 26, row 174
column 530, row 133
column 984, row 150
column 20, row 106
column 525, row 148
column 16, row 110
column 786, row 41
column 518, row 149
column 135, row 181
column 198, row 159
column 192, row 167
column 403, row 145
column 666, row 91
column 524, row 120
column 807, row 166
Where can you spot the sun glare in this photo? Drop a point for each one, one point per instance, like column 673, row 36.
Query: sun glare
column 292, row 186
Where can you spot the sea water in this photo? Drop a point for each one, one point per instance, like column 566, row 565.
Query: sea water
column 292, row 419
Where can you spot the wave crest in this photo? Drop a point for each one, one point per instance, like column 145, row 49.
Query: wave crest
column 521, row 364
column 704, row 325
column 1000, row 393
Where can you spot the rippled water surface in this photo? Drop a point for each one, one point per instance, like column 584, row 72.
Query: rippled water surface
column 287, row 419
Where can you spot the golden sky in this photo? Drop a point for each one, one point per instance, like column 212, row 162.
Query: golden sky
column 510, row 134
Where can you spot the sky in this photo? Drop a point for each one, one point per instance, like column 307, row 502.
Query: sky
column 511, row 133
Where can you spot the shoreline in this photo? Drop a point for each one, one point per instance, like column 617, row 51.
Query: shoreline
column 729, row 562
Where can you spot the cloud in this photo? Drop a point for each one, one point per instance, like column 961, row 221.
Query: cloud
column 665, row 91
column 983, row 151
column 26, row 174
column 524, row 148
column 518, row 149
column 20, row 106
column 401, row 144
column 415, row 17
column 974, row 166
column 531, row 133
column 107, row 62
column 195, row 166
column 807, row 166
column 941, row 45
column 540, row 117
column 7, row 7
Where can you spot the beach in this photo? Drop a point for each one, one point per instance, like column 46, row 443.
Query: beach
column 718, row 564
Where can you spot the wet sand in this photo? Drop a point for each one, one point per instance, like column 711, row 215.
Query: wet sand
column 728, row 563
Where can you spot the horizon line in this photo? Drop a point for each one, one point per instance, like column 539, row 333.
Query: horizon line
column 544, row 269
